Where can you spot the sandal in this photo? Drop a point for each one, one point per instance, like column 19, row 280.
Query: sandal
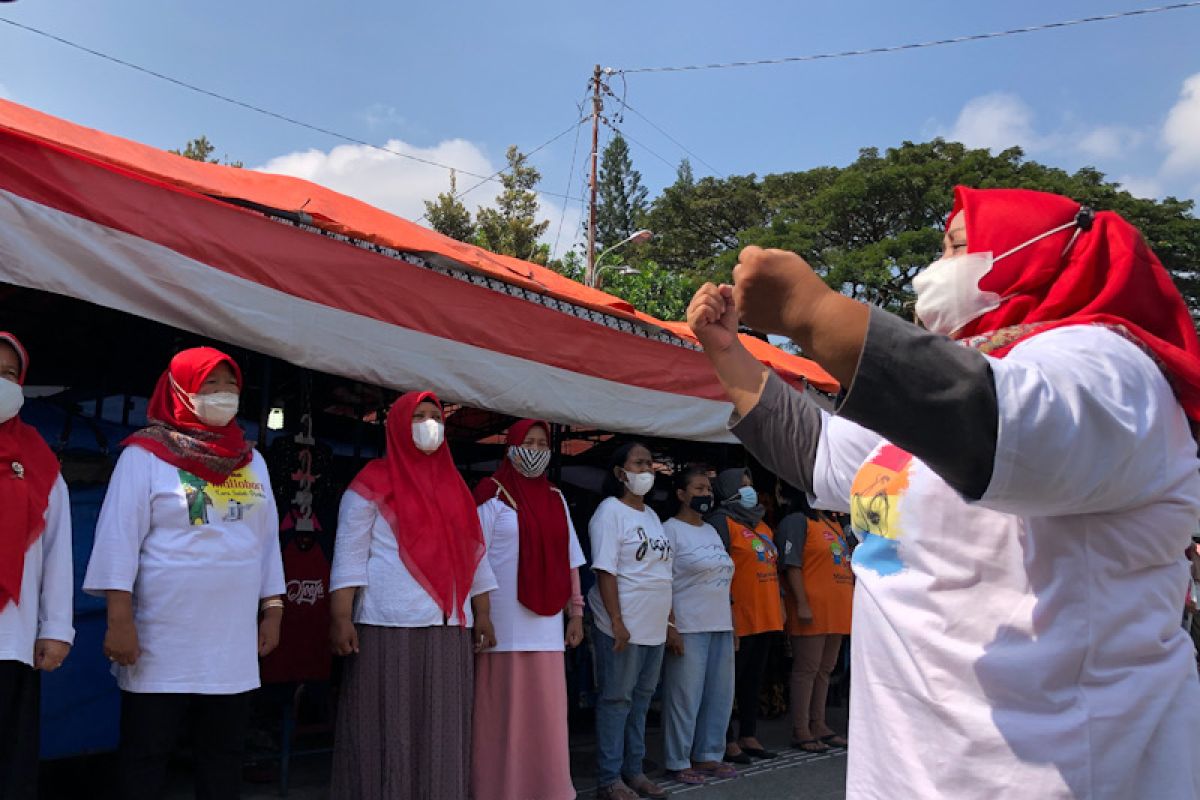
column 719, row 771
column 689, row 776
column 739, row 758
column 811, row 746
column 646, row 788
column 835, row 741
column 758, row 752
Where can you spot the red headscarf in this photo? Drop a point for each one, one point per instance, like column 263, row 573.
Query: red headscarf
column 427, row 504
column 1109, row 276
column 175, row 434
column 544, row 559
column 28, row 471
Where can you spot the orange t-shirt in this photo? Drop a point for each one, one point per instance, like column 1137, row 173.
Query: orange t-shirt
column 757, row 607
column 828, row 579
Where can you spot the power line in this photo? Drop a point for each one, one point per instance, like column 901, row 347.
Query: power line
column 257, row 109
column 570, row 179
column 639, row 144
column 919, row 45
column 678, row 143
column 573, row 127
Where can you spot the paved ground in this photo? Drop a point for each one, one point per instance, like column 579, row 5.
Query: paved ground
column 792, row 775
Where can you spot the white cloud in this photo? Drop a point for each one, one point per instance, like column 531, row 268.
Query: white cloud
column 381, row 115
column 1181, row 131
column 1149, row 188
column 1109, row 141
column 401, row 185
column 995, row 121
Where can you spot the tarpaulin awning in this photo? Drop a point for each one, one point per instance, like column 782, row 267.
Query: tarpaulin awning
column 341, row 287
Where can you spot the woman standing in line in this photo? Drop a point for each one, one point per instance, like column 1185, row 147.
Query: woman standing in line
column 36, row 594
column 631, row 602
column 819, row 589
column 520, row 684
column 187, row 555
column 409, row 582
column 757, row 605
column 698, row 677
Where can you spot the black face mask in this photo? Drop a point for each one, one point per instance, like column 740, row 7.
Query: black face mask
column 702, row 504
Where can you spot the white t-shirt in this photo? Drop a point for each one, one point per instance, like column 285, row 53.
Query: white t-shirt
column 366, row 554
column 47, row 590
column 1028, row 645
column 198, row 557
column 631, row 545
column 518, row 628
column 701, row 573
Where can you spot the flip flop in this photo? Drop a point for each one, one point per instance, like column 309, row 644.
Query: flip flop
column 835, row 741
column 758, row 752
column 690, row 777
column 811, row 746
column 720, row 772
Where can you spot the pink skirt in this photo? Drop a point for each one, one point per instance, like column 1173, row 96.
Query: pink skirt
column 520, row 749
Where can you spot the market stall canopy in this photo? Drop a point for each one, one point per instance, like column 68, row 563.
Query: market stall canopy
column 294, row 270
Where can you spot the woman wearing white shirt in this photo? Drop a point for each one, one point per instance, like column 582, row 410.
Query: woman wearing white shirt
column 698, row 678
column 1024, row 481
column 631, row 601
column 520, row 684
column 187, row 554
column 35, row 577
column 409, row 581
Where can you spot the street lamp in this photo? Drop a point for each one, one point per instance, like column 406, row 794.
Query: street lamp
column 637, row 237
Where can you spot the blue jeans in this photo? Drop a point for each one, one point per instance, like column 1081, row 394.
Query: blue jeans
column 626, row 681
column 698, row 698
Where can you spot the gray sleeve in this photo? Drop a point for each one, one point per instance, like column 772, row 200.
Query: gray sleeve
column 782, row 431
column 932, row 397
column 791, row 537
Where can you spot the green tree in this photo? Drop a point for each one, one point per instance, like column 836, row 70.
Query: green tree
column 448, row 215
column 200, row 149
column 621, row 203
column 657, row 290
column 512, row 227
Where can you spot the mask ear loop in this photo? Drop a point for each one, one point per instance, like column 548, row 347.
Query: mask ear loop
column 1083, row 222
column 181, row 394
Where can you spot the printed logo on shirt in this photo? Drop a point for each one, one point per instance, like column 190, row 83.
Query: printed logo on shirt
column 662, row 546
column 230, row 501
column 875, row 499
column 305, row 592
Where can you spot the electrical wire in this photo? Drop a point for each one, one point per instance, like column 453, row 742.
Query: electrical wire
column 1137, row 12
column 260, row 110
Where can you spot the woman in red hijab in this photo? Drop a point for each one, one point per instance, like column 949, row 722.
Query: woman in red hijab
column 410, row 608
column 36, row 591
column 187, row 555
column 1023, row 478
column 520, row 684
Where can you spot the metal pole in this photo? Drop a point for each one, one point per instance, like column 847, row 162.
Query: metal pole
column 590, row 275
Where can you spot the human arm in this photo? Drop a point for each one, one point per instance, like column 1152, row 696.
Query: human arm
column 55, row 632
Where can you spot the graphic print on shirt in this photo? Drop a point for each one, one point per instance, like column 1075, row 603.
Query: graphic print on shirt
column 764, row 549
column 661, row 545
column 230, row 501
column 875, row 499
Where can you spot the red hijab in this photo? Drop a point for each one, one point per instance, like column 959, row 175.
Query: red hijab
column 428, row 507
column 544, row 560
column 175, row 434
column 28, row 471
column 1108, row 276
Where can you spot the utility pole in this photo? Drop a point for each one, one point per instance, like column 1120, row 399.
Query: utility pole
column 597, row 106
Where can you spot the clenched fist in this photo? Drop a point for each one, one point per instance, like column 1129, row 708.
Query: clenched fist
column 776, row 291
column 712, row 317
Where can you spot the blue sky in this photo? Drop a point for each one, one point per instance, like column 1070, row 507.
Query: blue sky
column 459, row 81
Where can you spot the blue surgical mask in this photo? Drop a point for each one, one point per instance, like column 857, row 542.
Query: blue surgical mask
column 748, row 497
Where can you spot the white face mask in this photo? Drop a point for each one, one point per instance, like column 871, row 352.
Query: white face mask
column 948, row 293
column 11, row 399
column 215, row 410
column 529, row 461
column 640, row 483
column 428, row 434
